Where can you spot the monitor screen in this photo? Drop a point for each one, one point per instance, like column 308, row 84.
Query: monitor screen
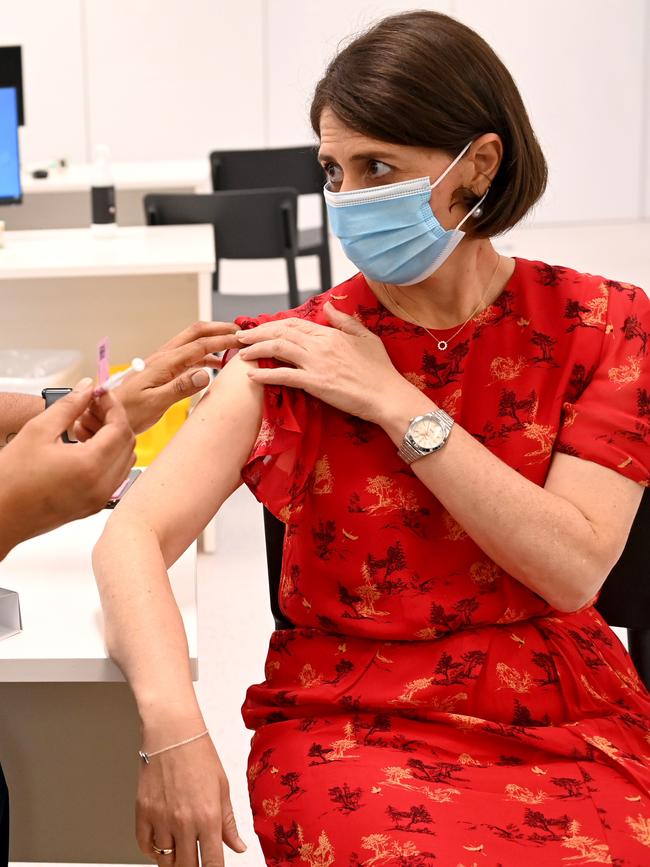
column 10, row 189
column 11, row 75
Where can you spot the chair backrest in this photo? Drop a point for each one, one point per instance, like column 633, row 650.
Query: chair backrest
column 625, row 597
column 295, row 167
column 274, row 531
column 248, row 224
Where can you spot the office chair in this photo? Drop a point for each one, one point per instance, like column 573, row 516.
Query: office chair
column 295, row 167
column 248, row 224
column 624, row 599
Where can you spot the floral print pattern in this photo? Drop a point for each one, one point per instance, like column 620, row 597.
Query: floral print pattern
column 427, row 708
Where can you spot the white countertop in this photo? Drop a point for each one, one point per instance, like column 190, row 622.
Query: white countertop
column 50, row 253
column 62, row 637
column 149, row 175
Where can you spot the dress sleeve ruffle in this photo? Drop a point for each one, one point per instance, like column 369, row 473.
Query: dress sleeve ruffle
column 280, row 465
column 606, row 416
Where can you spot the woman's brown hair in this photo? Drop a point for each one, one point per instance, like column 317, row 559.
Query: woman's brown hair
column 425, row 79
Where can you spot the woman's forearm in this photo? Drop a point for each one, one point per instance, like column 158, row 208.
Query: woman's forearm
column 143, row 627
column 540, row 538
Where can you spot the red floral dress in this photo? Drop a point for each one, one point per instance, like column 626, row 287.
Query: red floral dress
column 427, row 708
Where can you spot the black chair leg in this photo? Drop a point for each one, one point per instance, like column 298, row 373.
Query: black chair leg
column 325, row 267
column 294, row 298
column 215, row 277
column 639, row 647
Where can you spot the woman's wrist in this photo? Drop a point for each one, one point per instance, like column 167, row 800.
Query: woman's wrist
column 398, row 406
column 167, row 713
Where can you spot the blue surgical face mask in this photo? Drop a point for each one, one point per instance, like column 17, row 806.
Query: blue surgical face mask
column 390, row 232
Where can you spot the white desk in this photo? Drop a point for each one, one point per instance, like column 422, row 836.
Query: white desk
column 69, row 731
column 62, row 200
column 63, row 288
column 62, row 638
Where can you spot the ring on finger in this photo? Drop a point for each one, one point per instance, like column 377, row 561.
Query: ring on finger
column 163, row 851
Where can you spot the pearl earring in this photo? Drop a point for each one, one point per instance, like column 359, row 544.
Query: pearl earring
column 478, row 213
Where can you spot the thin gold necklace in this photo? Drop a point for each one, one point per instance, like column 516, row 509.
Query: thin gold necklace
column 443, row 344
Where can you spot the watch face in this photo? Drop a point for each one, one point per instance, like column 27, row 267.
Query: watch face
column 427, row 433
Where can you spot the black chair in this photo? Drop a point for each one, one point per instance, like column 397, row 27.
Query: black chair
column 624, row 599
column 248, row 224
column 295, row 167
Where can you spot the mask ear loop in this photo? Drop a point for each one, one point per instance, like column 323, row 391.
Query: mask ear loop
column 474, row 208
column 451, row 165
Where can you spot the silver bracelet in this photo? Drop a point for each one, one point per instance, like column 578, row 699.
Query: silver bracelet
column 147, row 756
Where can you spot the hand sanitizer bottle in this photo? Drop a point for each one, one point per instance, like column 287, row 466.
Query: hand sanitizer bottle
column 103, row 223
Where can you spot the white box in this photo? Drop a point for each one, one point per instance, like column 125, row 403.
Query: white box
column 29, row 371
column 10, row 619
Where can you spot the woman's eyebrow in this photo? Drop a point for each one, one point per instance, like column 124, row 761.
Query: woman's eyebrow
column 380, row 157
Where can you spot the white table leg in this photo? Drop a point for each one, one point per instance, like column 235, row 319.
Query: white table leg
column 208, row 540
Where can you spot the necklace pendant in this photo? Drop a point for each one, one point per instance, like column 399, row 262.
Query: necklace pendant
column 442, row 345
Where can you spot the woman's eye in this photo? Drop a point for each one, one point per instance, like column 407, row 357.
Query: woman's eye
column 377, row 169
column 333, row 173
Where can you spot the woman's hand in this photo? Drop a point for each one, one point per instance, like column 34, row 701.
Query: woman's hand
column 346, row 366
column 171, row 373
column 183, row 799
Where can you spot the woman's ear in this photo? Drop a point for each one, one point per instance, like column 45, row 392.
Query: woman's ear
column 483, row 161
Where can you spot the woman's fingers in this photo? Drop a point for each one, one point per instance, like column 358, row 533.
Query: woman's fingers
column 343, row 321
column 291, row 376
column 297, row 329
column 144, row 834
column 280, row 348
column 229, row 830
column 211, row 851
column 186, row 852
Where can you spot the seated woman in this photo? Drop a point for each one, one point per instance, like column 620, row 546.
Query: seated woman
column 458, row 443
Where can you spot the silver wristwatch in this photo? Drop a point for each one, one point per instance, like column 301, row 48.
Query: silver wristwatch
column 425, row 434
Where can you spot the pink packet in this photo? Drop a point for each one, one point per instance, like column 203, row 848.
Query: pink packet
column 102, row 361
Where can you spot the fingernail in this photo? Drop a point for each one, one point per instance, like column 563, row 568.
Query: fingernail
column 200, row 378
column 83, row 384
column 240, row 843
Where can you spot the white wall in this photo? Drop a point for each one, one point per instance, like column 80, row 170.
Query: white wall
column 301, row 42
column 579, row 66
column 645, row 110
column 175, row 78
column 170, row 79
column 53, row 76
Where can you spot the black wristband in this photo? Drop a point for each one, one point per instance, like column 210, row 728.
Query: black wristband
column 50, row 396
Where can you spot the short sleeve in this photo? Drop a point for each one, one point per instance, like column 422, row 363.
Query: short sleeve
column 606, row 414
column 279, row 467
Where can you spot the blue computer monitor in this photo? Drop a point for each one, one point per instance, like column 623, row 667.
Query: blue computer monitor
column 10, row 189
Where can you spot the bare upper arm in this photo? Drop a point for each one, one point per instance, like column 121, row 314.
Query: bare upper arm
column 607, row 499
column 201, row 466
